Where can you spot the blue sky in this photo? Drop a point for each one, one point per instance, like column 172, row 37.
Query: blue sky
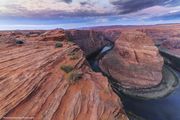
column 49, row 14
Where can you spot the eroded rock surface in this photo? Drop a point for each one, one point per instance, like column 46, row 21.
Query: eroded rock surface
column 170, row 49
column 33, row 85
column 172, row 46
column 161, row 33
column 134, row 61
column 89, row 41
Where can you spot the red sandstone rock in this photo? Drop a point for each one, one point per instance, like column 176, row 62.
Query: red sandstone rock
column 54, row 35
column 134, row 61
column 33, row 86
column 88, row 40
column 158, row 33
column 162, row 33
column 171, row 44
column 170, row 49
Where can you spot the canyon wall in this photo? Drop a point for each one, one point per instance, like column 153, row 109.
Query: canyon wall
column 89, row 41
column 134, row 59
column 170, row 50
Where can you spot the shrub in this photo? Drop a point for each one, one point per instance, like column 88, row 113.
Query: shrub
column 19, row 42
column 67, row 68
column 74, row 76
column 58, row 45
column 74, row 57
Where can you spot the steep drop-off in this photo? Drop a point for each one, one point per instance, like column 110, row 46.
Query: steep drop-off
column 89, row 41
column 134, row 65
column 35, row 83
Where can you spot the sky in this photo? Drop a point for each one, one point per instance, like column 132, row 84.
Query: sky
column 67, row 14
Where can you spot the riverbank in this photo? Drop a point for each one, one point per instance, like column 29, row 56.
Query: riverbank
column 166, row 108
column 150, row 102
column 168, row 85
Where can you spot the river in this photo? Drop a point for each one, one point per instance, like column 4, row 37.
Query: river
column 167, row 108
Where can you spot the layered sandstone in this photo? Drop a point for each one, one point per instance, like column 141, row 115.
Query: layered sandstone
column 170, row 49
column 89, row 41
column 134, row 61
column 161, row 34
column 33, row 85
column 158, row 33
column 172, row 46
column 53, row 35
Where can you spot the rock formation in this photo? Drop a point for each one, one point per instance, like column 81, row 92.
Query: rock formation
column 158, row 33
column 134, row 61
column 172, row 46
column 88, row 40
column 161, row 33
column 170, row 49
column 33, row 84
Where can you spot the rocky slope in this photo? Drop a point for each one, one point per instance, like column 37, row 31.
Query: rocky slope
column 134, row 61
column 42, row 82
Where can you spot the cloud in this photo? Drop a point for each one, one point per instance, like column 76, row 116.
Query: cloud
column 152, row 12
column 100, row 10
column 56, row 8
column 168, row 16
column 129, row 6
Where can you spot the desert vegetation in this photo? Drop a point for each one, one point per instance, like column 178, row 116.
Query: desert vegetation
column 67, row 68
column 19, row 42
column 58, row 45
column 73, row 56
column 74, row 76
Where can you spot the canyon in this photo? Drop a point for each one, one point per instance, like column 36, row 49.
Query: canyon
column 34, row 86
column 45, row 74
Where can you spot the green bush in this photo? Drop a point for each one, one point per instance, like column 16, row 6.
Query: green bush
column 19, row 42
column 67, row 68
column 74, row 76
column 58, row 45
